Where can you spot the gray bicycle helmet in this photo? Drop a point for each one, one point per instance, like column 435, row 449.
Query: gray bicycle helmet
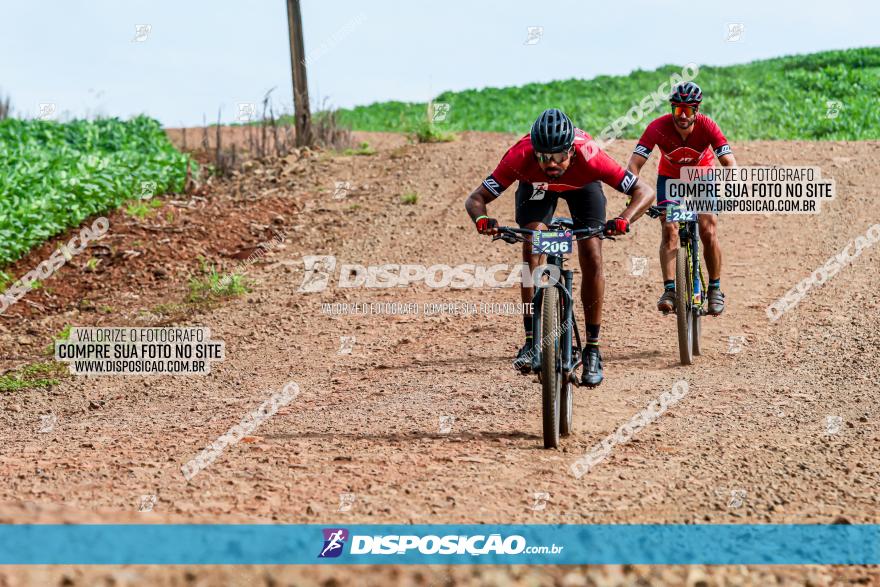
column 686, row 93
column 553, row 132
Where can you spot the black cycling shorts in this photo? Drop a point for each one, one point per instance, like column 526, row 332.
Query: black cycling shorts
column 662, row 202
column 586, row 205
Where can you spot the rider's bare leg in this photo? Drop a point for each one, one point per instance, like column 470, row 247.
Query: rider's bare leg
column 668, row 248
column 527, row 291
column 592, row 279
column 592, row 294
column 711, row 247
column 712, row 254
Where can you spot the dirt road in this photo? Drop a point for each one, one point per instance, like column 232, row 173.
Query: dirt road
column 422, row 419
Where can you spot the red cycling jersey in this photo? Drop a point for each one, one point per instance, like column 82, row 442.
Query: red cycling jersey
column 589, row 164
column 694, row 151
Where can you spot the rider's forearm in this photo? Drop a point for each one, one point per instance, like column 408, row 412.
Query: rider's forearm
column 476, row 203
column 635, row 164
column 642, row 198
column 475, row 208
column 727, row 161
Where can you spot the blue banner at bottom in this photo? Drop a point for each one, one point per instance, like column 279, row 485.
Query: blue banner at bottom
column 531, row 544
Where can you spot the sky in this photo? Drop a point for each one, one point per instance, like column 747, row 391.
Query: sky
column 192, row 59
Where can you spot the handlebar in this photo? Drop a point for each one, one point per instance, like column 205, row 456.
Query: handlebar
column 655, row 211
column 660, row 211
column 513, row 235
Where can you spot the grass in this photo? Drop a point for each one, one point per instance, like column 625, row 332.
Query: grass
column 65, row 333
column 166, row 308
column 409, row 198
column 141, row 210
column 34, row 376
column 212, row 285
column 363, row 149
column 428, row 132
column 781, row 98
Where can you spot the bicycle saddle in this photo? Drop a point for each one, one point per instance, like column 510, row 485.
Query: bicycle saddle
column 561, row 222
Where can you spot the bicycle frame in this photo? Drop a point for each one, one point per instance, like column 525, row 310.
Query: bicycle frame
column 689, row 237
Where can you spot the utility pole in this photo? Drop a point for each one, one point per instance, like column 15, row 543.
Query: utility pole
column 300, row 83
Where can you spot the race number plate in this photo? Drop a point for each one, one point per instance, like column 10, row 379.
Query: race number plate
column 551, row 242
column 679, row 214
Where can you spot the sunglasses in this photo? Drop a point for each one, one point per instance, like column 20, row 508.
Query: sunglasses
column 679, row 109
column 555, row 157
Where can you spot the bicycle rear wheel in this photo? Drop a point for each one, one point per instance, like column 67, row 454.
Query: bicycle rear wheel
column 683, row 292
column 697, row 331
column 550, row 373
column 566, row 401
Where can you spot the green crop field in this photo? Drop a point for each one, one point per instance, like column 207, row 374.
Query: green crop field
column 782, row 98
column 55, row 175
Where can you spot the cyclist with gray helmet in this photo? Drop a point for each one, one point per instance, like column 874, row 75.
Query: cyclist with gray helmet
column 686, row 139
column 556, row 161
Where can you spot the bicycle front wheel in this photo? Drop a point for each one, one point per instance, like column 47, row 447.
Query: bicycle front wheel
column 550, row 372
column 683, row 291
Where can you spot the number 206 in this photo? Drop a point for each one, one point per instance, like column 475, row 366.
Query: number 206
column 554, row 247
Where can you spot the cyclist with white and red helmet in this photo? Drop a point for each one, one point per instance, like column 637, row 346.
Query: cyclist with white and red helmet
column 686, row 139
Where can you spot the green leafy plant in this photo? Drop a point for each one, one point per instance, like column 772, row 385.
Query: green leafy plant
column 53, row 176
column 784, row 98
column 409, row 198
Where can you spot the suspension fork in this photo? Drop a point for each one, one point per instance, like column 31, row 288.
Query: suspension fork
column 567, row 320
column 689, row 237
column 699, row 286
column 537, row 304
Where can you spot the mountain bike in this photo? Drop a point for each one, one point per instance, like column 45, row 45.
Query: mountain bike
column 552, row 356
column 690, row 303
